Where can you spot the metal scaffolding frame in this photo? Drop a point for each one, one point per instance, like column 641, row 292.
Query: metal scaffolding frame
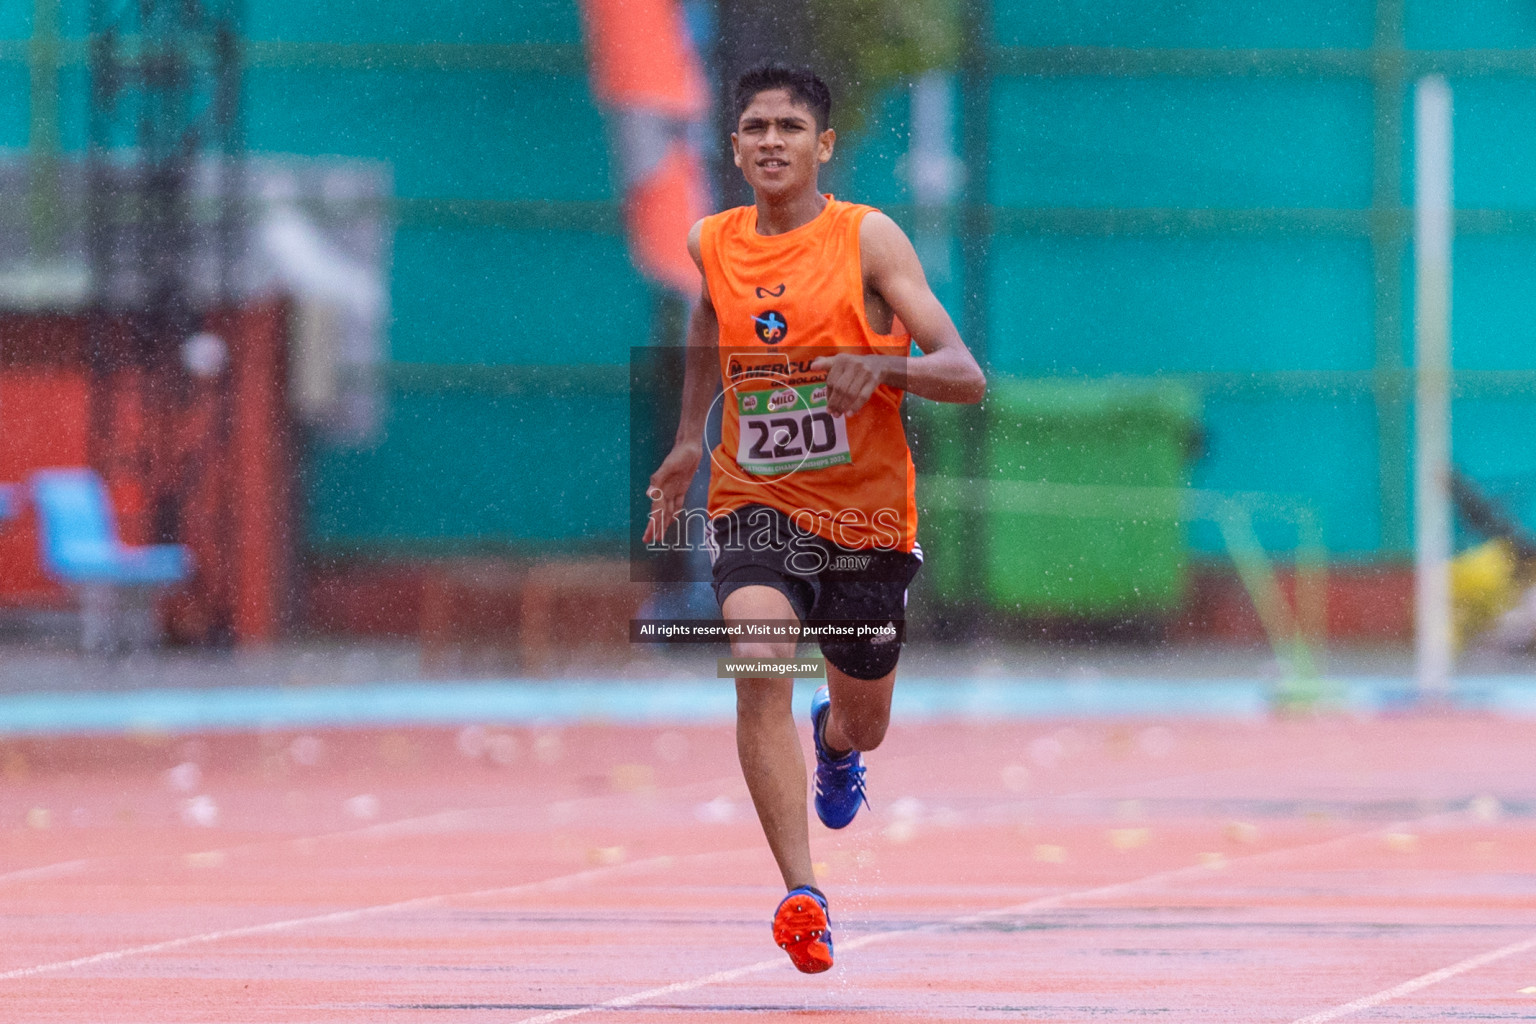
column 163, row 209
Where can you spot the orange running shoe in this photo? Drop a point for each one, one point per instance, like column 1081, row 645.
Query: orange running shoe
column 803, row 929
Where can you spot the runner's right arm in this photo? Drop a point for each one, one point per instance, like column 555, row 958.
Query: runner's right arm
column 669, row 484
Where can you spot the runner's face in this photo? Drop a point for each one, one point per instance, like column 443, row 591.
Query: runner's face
column 777, row 146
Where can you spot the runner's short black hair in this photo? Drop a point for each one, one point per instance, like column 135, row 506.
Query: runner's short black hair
column 802, row 84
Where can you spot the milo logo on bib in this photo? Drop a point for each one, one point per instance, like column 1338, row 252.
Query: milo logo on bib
column 793, row 431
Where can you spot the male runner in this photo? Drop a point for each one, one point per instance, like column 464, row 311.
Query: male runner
column 808, row 312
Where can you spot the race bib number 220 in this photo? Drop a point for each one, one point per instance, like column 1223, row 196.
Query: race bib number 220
column 789, row 428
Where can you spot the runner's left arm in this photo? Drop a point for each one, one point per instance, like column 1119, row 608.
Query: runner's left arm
column 945, row 372
column 668, row 486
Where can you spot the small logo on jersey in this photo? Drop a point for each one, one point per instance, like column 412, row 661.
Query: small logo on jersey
column 782, row 399
column 748, row 403
column 818, row 394
column 751, row 366
column 766, row 293
column 771, row 327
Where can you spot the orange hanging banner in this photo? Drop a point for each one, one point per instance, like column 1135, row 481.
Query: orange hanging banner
column 647, row 75
column 642, row 58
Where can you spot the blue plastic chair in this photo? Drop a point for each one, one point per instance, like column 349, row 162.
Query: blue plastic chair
column 81, row 548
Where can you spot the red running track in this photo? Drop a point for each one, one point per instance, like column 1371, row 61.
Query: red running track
column 1289, row 870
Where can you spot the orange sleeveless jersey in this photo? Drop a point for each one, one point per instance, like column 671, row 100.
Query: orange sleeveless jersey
column 782, row 300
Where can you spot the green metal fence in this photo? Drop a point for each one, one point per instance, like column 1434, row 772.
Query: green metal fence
column 1213, row 192
column 1217, row 191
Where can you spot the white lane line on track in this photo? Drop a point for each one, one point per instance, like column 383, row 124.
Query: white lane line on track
column 1422, row 981
column 437, row 821
column 1032, row 906
column 337, row 917
column 63, row 867
column 1044, row 903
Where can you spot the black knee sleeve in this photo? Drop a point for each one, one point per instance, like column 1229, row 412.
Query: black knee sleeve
column 862, row 659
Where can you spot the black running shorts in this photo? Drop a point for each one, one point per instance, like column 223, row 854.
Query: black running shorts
column 759, row 546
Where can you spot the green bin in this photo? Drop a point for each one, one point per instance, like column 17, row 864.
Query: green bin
column 1079, row 503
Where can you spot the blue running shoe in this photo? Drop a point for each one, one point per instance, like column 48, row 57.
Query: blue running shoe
column 803, row 929
column 840, row 782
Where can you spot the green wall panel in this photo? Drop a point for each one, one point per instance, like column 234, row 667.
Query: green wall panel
column 1495, row 443
column 869, row 165
column 1495, row 142
column 1469, row 24
column 1233, row 143
column 481, row 469
column 15, row 106
column 1192, row 23
column 488, row 295
column 1252, row 445
column 1493, row 304
column 447, row 134
column 1149, row 305
column 459, row 464
column 75, row 15
column 15, row 20
column 74, row 88
column 410, row 21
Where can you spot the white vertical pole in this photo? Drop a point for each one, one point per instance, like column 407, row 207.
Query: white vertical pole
column 1432, row 361
column 933, row 169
